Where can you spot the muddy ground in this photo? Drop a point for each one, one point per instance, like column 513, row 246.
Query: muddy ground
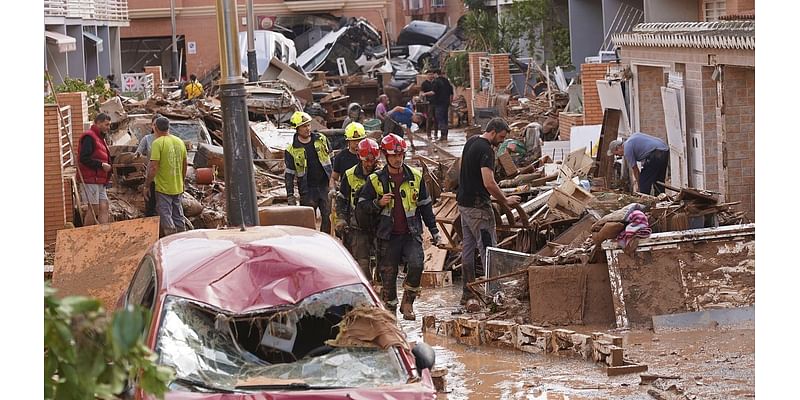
column 712, row 364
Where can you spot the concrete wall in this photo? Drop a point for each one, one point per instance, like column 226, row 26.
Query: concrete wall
column 739, row 116
column 671, row 11
column 585, row 29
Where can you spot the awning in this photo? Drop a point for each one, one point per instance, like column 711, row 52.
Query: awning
column 98, row 43
column 65, row 43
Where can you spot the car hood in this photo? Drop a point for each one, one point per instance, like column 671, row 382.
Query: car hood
column 421, row 32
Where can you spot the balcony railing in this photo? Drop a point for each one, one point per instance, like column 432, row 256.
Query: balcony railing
column 100, row 10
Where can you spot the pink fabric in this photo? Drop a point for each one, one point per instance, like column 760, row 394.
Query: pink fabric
column 637, row 225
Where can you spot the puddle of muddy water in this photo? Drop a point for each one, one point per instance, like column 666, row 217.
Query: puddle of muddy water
column 724, row 359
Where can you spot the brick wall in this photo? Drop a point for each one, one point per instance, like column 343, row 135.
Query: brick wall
column 502, row 76
column 592, row 111
column 739, row 97
column 54, row 211
column 567, row 121
column 651, row 107
column 80, row 115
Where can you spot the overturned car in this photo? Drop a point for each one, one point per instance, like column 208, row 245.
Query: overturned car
column 271, row 313
column 358, row 46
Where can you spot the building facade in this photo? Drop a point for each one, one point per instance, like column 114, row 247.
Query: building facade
column 82, row 38
column 710, row 67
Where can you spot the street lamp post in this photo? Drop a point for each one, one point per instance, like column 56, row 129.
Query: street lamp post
column 240, row 192
column 252, row 65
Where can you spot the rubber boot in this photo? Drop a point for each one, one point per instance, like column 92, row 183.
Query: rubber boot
column 389, row 288
column 407, row 306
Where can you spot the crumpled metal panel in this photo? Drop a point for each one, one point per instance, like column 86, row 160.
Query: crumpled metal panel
column 262, row 267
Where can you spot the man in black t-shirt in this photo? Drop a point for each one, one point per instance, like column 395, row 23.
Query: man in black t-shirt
column 442, row 97
column 476, row 183
column 427, row 92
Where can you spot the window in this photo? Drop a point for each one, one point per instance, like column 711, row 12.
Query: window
column 414, row 4
column 713, row 9
column 437, row 3
column 142, row 291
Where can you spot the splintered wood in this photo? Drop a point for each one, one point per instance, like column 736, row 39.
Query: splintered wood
column 598, row 347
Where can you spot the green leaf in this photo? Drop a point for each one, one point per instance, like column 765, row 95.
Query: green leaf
column 81, row 305
column 127, row 328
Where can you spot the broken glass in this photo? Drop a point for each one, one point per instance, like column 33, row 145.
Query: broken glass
column 281, row 345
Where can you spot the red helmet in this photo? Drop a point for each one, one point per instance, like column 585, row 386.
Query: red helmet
column 368, row 148
column 393, row 144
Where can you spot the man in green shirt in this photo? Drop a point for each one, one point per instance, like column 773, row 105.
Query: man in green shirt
column 168, row 170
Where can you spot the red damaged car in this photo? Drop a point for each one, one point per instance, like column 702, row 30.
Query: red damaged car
column 246, row 314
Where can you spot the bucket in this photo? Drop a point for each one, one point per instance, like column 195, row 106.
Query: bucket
column 372, row 124
column 204, row 176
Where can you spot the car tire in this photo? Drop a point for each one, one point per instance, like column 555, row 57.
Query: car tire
column 422, row 60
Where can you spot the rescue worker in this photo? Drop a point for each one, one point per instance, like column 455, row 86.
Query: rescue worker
column 398, row 194
column 360, row 242
column 354, row 133
column 308, row 160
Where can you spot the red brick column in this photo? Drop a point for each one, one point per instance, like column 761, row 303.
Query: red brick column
column 80, row 116
column 592, row 111
column 54, row 212
column 502, row 76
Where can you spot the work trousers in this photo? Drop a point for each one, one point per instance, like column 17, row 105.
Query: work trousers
column 170, row 210
column 442, row 111
column 390, row 253
column 361, row 246
column 479, row 232
column 317, row 198
column 150, row 203
column 654, row 169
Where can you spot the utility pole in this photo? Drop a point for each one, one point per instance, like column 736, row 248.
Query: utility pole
column 176, row 69
column 252, row 65
column 240, row 188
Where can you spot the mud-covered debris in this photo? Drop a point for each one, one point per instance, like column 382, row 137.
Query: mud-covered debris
column 369, row 326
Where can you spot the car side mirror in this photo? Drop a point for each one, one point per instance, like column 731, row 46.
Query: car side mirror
column 424, row 356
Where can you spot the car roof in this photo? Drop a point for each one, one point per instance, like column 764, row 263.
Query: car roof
column 263, row 266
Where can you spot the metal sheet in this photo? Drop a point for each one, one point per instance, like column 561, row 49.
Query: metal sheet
column 728, row 317
column 99, row 260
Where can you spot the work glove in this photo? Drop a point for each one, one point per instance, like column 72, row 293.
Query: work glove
column 291, row 200
column 436, row 238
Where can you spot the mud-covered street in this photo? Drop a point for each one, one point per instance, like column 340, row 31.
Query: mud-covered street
column 711, row 363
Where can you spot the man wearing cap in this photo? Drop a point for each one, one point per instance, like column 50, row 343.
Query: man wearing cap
column 308, row 161
column 652, row 152
column 397, row 195
column 354, row 114
column 360, row 241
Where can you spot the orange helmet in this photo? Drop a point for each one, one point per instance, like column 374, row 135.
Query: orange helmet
column 393, row 144
column 367, row 149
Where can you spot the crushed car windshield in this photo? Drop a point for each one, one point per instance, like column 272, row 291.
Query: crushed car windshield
column 280, row 348
column 190, row 132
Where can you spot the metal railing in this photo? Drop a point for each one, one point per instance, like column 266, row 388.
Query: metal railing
column 101, row 10
column 626, row 18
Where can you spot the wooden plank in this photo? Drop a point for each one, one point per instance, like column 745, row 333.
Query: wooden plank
column 627, row 368
column 436, row 279
column 100, row 260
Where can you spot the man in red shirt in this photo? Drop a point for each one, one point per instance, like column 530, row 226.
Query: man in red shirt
column 397, row 195
column 94, row 165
